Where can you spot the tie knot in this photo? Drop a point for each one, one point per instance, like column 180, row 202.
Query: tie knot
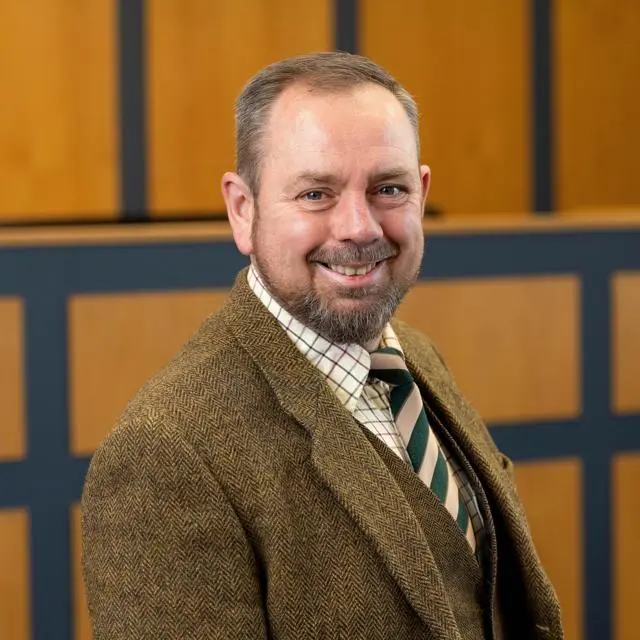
column 388, row 365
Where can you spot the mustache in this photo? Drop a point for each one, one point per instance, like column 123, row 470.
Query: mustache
column 352, row 252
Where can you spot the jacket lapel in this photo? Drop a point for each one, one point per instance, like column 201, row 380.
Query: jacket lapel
column 364, row 487
column 471, row 435
column 344, row 459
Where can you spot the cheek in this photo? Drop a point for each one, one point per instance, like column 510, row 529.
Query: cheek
column 305, row 235
column 298, row 237
column 290, row 239
column 406, row 232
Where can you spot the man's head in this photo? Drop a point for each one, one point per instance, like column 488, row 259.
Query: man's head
column 328, row 195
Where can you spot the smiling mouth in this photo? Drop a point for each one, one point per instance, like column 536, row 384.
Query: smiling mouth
column 345, row 270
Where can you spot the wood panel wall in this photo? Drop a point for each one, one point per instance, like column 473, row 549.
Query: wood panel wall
column 626, row 532
column 597, row 102
column 58, row 110
column 15, row 620
column 201, row 52
column 12, row 391
column 469, row 66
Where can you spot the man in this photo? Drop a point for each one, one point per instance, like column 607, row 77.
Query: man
column 305, row 466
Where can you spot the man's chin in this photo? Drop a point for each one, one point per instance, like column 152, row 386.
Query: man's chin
column 351, row 320
column 348, row 329
column 370, row 295
column 345, row 308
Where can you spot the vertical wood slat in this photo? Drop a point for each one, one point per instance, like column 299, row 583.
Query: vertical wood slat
column 58, row 121
column 468, row 65
column 200, row 54
column 597, row 102
column 15, row 622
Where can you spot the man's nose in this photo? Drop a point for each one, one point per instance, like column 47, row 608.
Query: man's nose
column 355, row 220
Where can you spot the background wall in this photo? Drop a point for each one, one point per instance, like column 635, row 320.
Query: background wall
column 122, row 110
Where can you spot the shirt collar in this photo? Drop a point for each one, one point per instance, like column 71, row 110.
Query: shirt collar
column 344, row 366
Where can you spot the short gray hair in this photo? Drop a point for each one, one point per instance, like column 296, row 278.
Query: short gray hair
column 327, row 71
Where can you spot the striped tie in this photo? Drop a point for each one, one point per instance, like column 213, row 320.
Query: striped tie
column 425, row 454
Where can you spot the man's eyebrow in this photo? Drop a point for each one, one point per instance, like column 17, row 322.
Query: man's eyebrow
column 391, row 174
column 327, row 178
column 315, row 177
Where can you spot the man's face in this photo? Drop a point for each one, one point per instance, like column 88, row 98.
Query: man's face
column 336, row 230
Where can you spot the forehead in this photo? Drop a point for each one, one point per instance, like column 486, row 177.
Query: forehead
column 366, row 119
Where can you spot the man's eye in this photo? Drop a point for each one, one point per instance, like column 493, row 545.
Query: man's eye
column 313, row 196
column 391, row 190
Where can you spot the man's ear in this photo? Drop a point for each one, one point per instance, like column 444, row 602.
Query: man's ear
column 240, row 209
column 425, row 178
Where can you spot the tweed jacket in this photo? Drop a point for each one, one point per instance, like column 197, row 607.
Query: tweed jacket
column 237, row 498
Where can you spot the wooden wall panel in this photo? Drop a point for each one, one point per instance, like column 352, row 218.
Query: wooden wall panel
column 15, row 620
column 81, row 621
column 116, row 343
column 625, row 327
column 58, row 133
column 597, row 102
column 511, row 343
column 201, row 53
column 552, row 496
column 468, row 65
column 626, row 552
column 12, row 394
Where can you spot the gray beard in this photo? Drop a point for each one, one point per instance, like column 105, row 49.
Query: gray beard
column 341, row 327
column 347, row 327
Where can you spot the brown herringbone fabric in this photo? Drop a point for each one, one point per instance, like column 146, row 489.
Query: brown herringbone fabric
column 237, row 498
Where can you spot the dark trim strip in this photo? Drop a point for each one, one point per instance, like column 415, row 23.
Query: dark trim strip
column 539, row 441
column 48, row 437
column 542, row 109
column 597, row 549
column 14, row 491
column 132, row 97
column 624, row 433
column 346, row 25
column 133, row 266
column 597, row 552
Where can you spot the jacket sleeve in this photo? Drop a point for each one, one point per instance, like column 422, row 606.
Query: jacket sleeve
column 164, row 554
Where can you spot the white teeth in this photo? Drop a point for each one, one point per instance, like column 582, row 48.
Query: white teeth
column 351, row 271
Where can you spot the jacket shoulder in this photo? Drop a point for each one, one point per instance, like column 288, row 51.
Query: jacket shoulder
column 198, row 385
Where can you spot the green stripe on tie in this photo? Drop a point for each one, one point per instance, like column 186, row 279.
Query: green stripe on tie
column 463, row 516
column 417, row 445
column 392, row 369
column 440, row 480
